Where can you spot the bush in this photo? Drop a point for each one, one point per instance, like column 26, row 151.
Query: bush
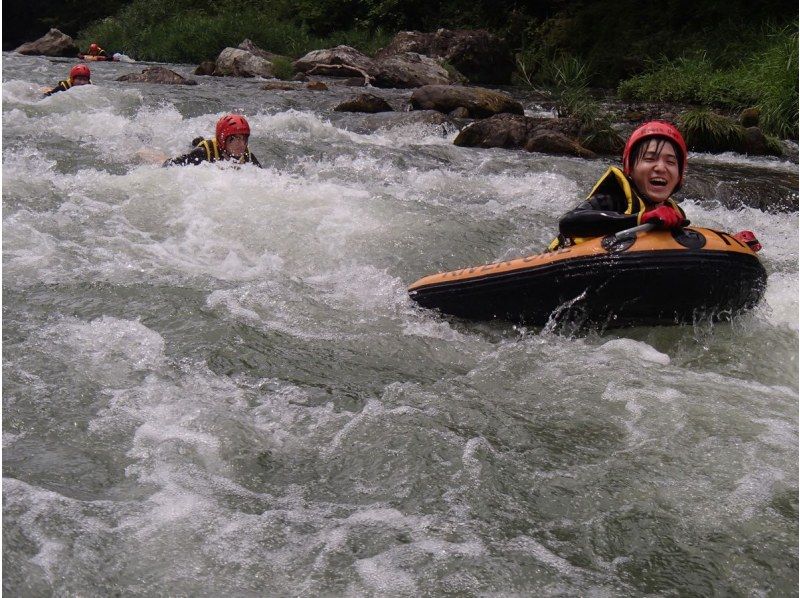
column 767, row 79
column 185, row 31
column 705, row 131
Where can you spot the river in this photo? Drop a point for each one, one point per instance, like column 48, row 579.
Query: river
column 214, row 382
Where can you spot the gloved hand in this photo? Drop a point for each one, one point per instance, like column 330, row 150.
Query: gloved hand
column 663, row 217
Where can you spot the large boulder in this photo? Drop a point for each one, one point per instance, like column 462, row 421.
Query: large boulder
column 365, row 102
column 478, row 55
column 157, row 74
column 52, row 43
column 340, row 55
column 233, row 62
column 515, row 131
column 477, row 101
column 546, row 141
column 248, row 46
column 401, row 70
column 409, row 70
column 205, row 68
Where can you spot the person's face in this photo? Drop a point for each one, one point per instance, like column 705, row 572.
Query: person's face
column 656, row 173
column 80, row 80
column 236, row 145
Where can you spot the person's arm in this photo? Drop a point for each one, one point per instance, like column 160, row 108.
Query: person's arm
column 196, row 156
column 56, row 89
column 599, row 215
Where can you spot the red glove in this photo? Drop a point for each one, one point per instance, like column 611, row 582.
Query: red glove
column 663, row 217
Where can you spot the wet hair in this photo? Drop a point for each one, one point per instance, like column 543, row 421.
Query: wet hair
column 639, row 149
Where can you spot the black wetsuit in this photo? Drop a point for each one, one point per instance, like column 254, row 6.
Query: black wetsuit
column 62, row 86
column 206, row 151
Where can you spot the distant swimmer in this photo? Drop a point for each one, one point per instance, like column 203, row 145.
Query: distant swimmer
column 229, row 143
column 95, row 52
column 78, row 75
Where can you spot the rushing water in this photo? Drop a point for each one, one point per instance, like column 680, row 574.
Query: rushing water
column 214, row 382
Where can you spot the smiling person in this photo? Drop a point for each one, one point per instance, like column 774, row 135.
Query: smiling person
column 653, row 166
column 78, row 75
column 229, row 143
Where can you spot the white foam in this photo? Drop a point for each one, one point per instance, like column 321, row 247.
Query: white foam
column 629, row 348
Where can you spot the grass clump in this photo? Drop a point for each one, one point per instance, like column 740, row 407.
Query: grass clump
column 282, row 68
column 706, row 131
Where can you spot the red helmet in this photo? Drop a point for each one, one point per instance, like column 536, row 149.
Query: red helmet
column 94, row 48
column 231, row 124
column 80, row 70
column 654, row 128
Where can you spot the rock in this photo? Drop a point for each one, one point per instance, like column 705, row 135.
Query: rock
column 279, row 86
column 553, row 142
column 515, row 131
column 755, row 143
column 157, row 74
column 340, row 55
column 249, row 46
column 509, row 131
column 477, row 54
column 459, row 112
column 317, row 86
column 365, row 102
column 400, row 70
column 409, row 70
column 749, row 117
column 300, row 77
column 233, row 62
column 478, row 101
column 340, row 70
column 52, row 43
column 205, row 68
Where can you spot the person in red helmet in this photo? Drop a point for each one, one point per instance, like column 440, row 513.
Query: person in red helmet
column 78, row 75
column 653, row 167
column 230, row 142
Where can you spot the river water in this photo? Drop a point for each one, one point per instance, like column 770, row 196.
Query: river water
column 214, row 382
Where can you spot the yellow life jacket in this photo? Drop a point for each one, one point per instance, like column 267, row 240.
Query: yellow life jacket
column 213, row 154
column 614, row 179
column 211, row 147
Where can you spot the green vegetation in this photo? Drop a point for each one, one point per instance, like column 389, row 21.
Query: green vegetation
column 723, row 55
column 282, row 68
column 187, row 31
column 766, row 77
column 704, row 130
